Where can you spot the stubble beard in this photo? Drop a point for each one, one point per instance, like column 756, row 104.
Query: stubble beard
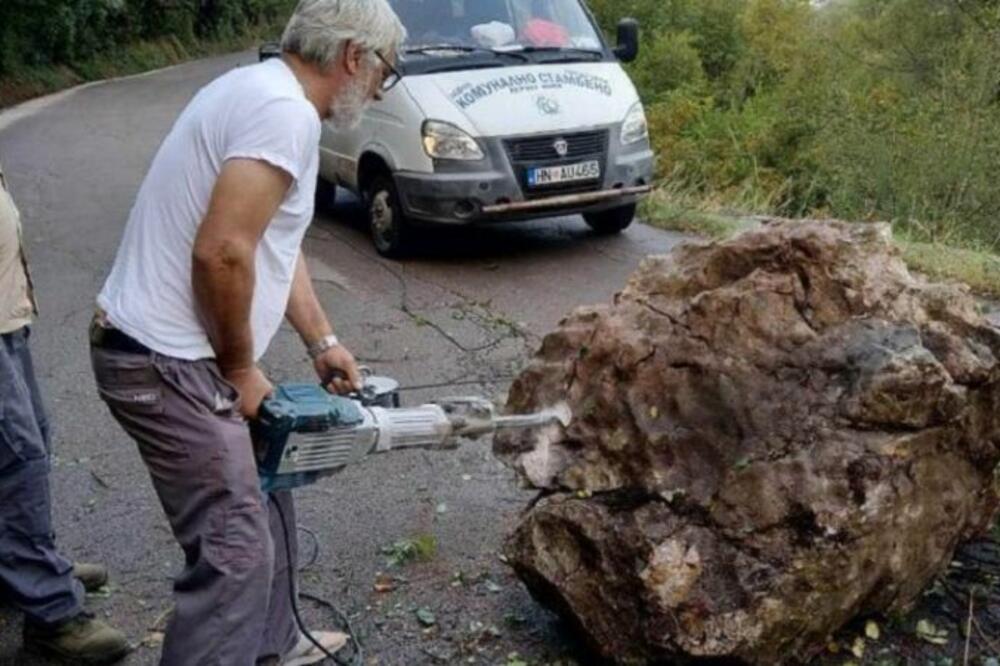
column 348, row 108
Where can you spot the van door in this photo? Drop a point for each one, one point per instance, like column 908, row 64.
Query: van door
column 339, row 151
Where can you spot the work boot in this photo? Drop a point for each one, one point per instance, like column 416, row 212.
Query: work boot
column 80, row 640
column 305, row 653
column 93, row 576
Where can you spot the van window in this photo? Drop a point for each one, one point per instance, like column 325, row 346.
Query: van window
column 497, row 23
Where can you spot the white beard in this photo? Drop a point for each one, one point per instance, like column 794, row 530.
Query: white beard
column 347, row 108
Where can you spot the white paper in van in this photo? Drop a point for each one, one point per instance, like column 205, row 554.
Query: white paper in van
column 493, row 34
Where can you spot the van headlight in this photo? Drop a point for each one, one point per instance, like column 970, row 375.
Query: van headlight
column 635, row 128
column 444, row 141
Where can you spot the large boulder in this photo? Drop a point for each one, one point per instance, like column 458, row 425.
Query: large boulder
column 769, row 436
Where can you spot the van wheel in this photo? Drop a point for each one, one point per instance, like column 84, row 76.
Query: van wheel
column 391, row 231
column 612, row 221
column 326, row 194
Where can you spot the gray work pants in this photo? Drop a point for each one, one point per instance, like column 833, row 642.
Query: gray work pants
column 231, row 602
column 34, row 577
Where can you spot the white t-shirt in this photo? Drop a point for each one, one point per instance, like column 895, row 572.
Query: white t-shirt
column 259, row 112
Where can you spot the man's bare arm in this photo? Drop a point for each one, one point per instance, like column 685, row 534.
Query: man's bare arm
column 246, row 196
column 336, row 367
column 305, row 313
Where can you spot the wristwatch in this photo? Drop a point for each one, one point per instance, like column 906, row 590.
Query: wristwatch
column 321, row 346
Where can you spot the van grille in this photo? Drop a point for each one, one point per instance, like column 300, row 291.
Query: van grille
column 540, row 151
column 542, row 148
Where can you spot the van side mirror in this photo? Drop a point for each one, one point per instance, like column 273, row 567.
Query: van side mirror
column 628, row 40
column 269, row 50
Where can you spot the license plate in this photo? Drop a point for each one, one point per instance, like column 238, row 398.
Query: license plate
column 542, row 176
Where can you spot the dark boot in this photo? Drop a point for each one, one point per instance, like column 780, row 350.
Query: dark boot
column 80, row 640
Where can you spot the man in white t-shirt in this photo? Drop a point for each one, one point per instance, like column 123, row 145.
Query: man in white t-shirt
column 209, row 266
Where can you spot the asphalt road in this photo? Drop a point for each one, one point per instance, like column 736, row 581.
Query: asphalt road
column 473, row 307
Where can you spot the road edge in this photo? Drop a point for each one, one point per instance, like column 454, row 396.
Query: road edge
column 13, row 114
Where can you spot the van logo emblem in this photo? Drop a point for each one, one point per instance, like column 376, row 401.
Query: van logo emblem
column 547, row 105
column 561, row 147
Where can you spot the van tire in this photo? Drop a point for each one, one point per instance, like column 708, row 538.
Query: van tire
column 391, row 231
column 611, row 221
column 326, row 194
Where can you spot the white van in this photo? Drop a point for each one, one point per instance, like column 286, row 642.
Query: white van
column 502, row 110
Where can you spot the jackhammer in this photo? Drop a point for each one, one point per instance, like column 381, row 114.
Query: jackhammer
column 304, row 433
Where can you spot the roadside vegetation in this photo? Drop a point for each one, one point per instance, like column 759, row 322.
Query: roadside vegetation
column 47, row 45
column 855, row 109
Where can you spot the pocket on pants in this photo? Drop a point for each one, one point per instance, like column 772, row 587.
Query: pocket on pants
column 238, row 536
column 10, row 449
column 129, row 382
column 200, row 384
column 138, row 400
column 227, row 396
column 20, row 438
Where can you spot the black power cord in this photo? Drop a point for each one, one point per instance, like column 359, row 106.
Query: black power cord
column 315, row 548
column 358, row 659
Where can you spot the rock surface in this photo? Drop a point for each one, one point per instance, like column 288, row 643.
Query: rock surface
column 770, row 436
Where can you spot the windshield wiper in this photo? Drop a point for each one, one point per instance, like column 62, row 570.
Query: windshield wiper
column 465, row 48
column 568, row 50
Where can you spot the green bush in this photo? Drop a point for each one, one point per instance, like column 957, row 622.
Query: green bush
column 40, row 33
column 861, row 109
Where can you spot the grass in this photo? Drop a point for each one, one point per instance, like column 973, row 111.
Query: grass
column 678, row 212
column 418, row 548
column 682, row 214
column 979, row 270
column 136, row 58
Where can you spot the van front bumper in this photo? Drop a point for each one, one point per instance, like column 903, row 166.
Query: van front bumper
column 582, row 200
column 490, row 191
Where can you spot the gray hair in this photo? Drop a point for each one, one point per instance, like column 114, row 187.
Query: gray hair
column 319, row 29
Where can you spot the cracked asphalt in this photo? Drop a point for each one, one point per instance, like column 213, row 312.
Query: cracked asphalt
column 471, row 308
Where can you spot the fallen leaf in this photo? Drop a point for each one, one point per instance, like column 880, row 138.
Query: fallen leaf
column 153, row 639
column 493, row 587
column 384, row 584
column 441, row 508
column 872, row 630
column 426, row 617
column 858, row 647
column 928, row 632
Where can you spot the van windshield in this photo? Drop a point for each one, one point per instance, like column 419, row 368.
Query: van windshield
column 502, row 25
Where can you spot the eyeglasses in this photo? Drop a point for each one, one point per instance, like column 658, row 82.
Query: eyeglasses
column 392, row 75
